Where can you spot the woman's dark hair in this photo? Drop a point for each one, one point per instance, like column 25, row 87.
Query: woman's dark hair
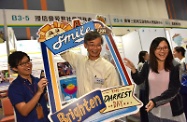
column 15, row 58
column 180, row 49
column 141, row 56
column 91, row 35
column 153, row 59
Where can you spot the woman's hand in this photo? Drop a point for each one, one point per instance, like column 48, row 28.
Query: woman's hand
column 150, row 105
column 129, row 64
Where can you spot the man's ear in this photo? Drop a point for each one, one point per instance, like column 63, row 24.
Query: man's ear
column 15, row 69
column 85, row 45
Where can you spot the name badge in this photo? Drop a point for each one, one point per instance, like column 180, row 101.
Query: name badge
column 98, row 80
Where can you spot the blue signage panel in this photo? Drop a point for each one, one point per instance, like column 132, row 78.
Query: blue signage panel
column 81, row 109
column 69, row 39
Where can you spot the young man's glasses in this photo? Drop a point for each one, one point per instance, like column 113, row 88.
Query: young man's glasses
column 23, row 64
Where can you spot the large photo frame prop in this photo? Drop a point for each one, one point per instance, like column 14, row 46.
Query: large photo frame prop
column 98, row 105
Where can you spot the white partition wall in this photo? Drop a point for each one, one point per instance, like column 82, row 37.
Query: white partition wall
column 169, row 38
column 148, row 34
column 118, row 40
column 132, row 46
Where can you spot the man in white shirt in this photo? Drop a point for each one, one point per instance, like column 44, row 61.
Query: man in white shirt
column 92, row 71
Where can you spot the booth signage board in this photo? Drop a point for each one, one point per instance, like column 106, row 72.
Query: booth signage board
column 124, row 21
column 29, row 18
column 38, row 18
column 99, row 104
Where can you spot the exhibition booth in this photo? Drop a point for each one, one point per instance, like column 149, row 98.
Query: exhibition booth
column 131, row 35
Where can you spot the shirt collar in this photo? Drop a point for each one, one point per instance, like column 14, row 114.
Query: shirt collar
column 19, row 78
column 94, row 60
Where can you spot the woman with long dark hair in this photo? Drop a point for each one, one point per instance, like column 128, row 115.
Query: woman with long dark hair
column 162, row 85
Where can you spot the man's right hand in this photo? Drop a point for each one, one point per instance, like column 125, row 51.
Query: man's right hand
column 41, row 85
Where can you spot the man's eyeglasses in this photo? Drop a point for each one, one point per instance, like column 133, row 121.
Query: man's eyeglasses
column 96, row 46
column 23, row 64
column 162, row 48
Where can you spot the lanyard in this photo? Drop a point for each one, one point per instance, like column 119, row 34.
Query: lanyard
column 33, row 92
